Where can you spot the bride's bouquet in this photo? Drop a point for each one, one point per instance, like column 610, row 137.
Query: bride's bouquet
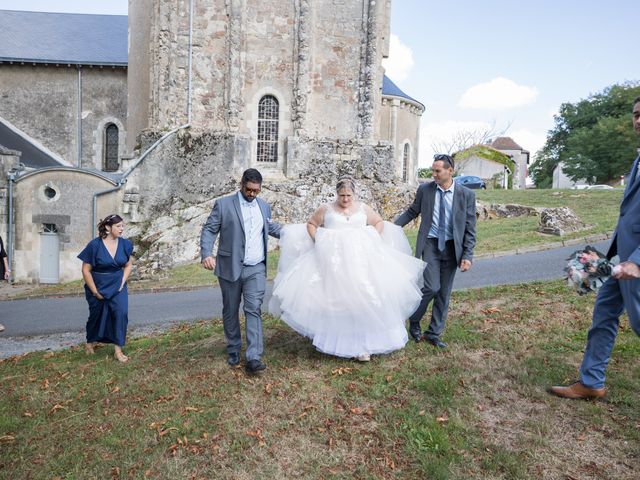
column 588, row 269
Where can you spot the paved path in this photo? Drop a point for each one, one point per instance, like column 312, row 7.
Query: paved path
column 61, row 321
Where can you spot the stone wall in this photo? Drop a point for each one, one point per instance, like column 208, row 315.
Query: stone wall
column 42, row 101
column 400, row 125
column 9, row 159
column 170, row 194
column 320, row 59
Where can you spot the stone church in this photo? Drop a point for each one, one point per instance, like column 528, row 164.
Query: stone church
column 155, row 114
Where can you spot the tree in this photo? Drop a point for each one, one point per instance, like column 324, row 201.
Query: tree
column 425, row 172
column 593, row 138
column 465, row 138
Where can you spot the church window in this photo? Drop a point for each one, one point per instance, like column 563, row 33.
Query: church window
column 405, row 163
column 268, row 110
column 111, row 148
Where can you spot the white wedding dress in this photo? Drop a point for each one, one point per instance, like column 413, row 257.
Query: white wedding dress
column 352, row 290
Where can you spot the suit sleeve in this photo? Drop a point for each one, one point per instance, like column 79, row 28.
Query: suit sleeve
column 469, row 240
column 413, row 211
column 210, row 231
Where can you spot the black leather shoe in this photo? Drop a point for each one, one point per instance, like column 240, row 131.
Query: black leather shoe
column 254, row 366
column 233, row 359
column 436, row 342
column 415, row 332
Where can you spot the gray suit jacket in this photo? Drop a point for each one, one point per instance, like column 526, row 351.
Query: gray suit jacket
column 226, row 221
column 463, row 214
column 626, row 238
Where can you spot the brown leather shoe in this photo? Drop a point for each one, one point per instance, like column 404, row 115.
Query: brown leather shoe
column 578, row 391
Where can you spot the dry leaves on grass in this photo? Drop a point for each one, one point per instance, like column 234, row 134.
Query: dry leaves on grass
column 257, row 434
column 490, row 310
column 7, row 438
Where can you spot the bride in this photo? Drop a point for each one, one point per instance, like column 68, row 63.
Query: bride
column 348, row 280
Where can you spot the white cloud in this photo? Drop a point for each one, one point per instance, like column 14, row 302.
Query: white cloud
column 498, row 94
column 400, row 61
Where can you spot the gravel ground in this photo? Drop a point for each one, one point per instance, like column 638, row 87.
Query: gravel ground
column 10, row 347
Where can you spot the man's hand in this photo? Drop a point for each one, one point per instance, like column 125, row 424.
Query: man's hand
column 209, row 263
column 465, row 265
column 627, row 271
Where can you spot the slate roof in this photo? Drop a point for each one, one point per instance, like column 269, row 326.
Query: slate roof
column 66, row 38
column 505, row 143
column 391, row 89
column 32, row 156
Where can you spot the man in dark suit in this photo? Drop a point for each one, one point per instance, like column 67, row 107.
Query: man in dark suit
column 242, row 221
column 446, row 239
column 621, row 292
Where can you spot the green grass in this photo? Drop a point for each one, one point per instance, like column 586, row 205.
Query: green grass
column 597, row 208
column 478, row 410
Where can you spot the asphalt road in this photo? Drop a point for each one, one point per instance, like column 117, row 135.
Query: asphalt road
column 37, row 317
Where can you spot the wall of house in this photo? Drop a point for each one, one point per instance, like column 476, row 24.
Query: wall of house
column 70, row 210
column 400, row 125
column 141, row 14
column 320, row 59
column 42, row 101
column 520, row 175
column 480, row 167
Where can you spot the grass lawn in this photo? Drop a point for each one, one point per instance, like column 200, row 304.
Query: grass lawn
column 476, row 411
column 598, row 208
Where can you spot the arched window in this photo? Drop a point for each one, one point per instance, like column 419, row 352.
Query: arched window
column 268, row 111
column 405, row 163
column 111, row 148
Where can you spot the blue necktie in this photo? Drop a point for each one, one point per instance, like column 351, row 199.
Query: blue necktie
column 441, row 220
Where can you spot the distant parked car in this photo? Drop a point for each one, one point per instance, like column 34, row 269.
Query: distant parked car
column 599, row 187
column 470, row 181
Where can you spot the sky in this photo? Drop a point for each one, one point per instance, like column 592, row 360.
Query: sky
column 491, row 64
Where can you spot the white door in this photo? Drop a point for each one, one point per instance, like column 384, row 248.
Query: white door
column 49, row 256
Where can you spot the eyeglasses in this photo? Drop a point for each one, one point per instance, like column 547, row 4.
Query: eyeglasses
column 443, row 157
column 254, row 191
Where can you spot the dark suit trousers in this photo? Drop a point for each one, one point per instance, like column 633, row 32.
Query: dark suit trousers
column 438, row 282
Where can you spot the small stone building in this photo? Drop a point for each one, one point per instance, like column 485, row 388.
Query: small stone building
column 156, row 114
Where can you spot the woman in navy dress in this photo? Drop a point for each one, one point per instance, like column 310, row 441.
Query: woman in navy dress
column 106, row 266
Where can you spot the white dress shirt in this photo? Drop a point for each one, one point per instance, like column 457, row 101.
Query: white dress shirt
column 253, row 226
column 448, row 208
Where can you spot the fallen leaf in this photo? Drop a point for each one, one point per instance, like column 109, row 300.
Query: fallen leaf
column 490, row 310
column 27, row 414
column 7, row 438
column 115, row 390
column 56, row 407
column 421, row 413
column 443, row 419
column 341, row 371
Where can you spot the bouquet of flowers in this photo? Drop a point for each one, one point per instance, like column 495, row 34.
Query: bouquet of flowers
column 588, row 269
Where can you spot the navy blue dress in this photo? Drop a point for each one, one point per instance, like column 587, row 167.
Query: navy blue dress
column 108, row 318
